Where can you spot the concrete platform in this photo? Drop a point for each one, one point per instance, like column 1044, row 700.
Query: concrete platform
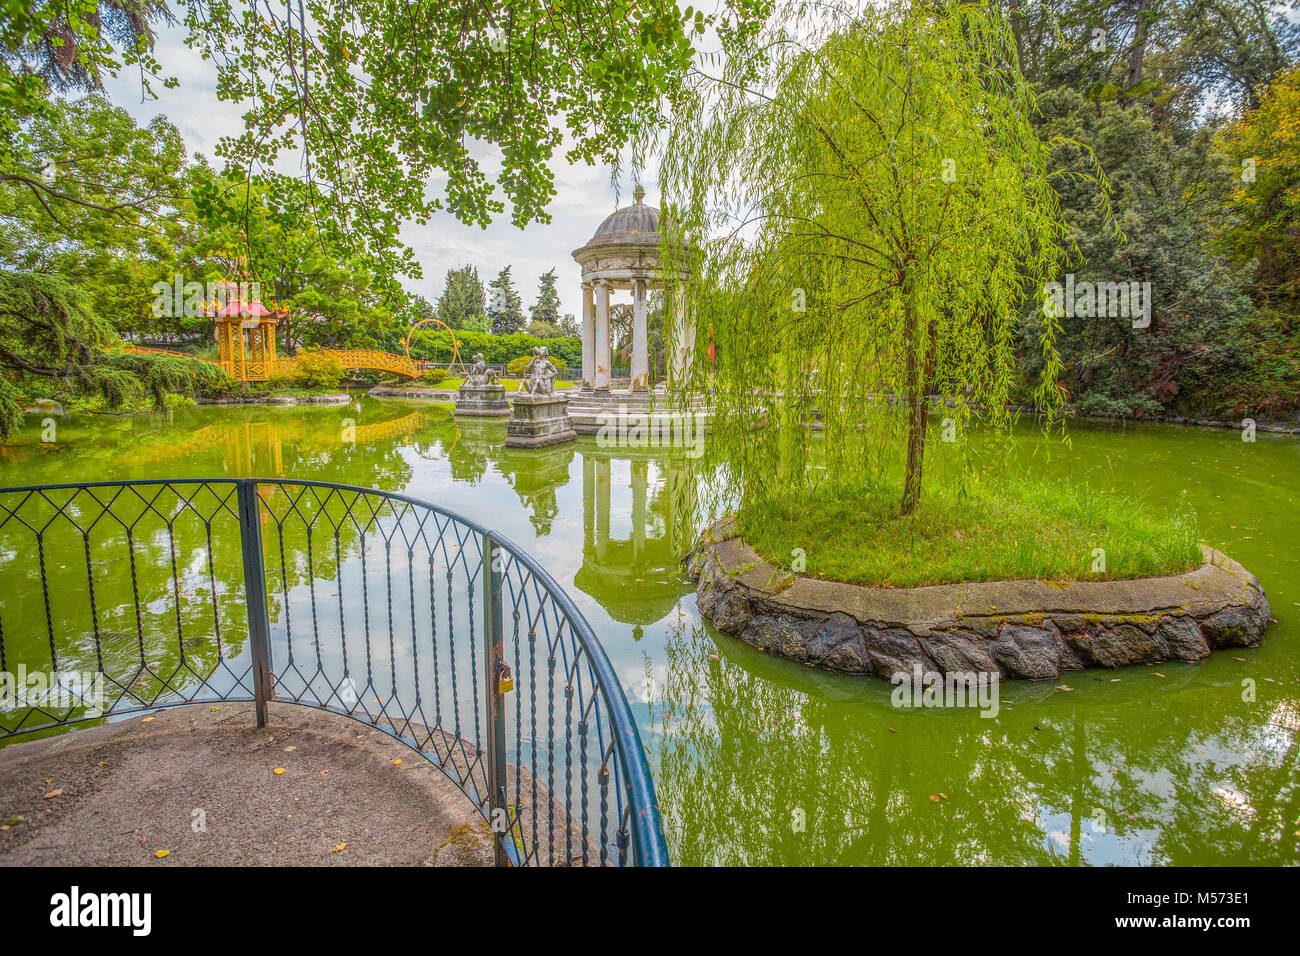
column 115, row 794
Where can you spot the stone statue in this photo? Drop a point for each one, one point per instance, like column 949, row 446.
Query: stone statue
column 541, row 373
column 480, row 394
column 478, row 375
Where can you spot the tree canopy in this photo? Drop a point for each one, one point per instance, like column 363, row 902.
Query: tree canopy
column 383, row 119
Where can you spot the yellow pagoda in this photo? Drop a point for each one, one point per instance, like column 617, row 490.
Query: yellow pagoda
column 245, row 336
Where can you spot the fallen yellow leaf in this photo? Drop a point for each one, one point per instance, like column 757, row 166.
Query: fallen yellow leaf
column 146, row 720
column 339, row 848
column 162, row 853
column 397, row 762
column 278, row 771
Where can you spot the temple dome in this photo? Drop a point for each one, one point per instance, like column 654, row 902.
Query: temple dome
column 636, row 224
column 638, row 218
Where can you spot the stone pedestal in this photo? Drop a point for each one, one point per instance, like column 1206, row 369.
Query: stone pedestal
column 539, row 420
column 482, row 401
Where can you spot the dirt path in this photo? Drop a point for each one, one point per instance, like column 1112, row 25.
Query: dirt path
column 199, row 782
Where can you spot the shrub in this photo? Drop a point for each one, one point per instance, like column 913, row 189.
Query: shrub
column 280, row 379
column 543, row 330
column 433, row 376
column 315, row 370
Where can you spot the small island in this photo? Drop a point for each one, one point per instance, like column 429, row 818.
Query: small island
column 1027, row 629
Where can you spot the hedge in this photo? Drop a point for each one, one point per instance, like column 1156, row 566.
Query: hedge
column 518, row 366
column 497, row 349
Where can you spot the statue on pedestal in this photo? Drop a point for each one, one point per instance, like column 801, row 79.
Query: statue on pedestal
column 539, row 417
column 481, row 394
column 479, row 374
column 541, row 373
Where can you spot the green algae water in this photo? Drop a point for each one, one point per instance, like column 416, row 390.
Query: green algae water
column 762, row 761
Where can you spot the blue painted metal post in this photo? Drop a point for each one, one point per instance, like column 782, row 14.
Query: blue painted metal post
column 259, row 622
column 495, row 673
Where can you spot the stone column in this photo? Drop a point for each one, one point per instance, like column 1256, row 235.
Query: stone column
column 602, row 508
column 640, row 342
column 683, row 340
column 588, row 504
column 600, row 374
column 639, row 482
column 588, row 337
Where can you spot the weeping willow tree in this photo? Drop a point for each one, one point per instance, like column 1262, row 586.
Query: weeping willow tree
column 871, row 208
column 54, row 345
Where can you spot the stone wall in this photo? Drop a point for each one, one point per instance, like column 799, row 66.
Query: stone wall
column 1020, row 629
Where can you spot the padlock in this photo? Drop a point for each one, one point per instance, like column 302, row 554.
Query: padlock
column 505, row 680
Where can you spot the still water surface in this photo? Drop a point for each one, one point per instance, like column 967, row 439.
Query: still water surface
column 1168, row 764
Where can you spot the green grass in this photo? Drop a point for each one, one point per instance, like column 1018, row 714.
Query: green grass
column 1024, row 528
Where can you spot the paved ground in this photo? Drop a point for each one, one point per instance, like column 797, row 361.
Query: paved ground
column 200, row 782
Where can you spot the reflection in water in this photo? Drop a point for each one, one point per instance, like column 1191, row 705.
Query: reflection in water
column 1174, row 763
column 536, row 474
column 759, row 766
column 257, row 447
column 634, row 577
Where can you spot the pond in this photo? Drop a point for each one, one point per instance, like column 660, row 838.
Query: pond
column 761, row 761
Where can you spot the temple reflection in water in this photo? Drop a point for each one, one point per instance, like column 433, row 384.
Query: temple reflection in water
column 633, row 571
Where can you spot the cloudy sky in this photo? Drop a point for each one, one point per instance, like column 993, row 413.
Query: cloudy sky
column 584, row 194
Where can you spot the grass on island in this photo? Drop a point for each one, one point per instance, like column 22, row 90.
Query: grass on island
column 1024, row 528
column 451, row 384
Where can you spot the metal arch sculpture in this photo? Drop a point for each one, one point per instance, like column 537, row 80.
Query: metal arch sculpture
column 455, row 343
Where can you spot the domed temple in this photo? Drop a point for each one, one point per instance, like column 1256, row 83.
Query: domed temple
column 624, row 254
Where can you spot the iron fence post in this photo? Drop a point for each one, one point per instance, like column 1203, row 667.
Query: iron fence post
column 259, row 623
column 494, row 659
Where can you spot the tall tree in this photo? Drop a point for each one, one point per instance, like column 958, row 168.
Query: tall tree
column 1177, row 56
column 1264, row 146
column 462, row 298
column 104, row 184
column 882, row 164
column 547, row 307
column 505, row 307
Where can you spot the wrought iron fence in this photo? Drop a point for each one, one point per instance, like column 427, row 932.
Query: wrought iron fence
column 121, row 597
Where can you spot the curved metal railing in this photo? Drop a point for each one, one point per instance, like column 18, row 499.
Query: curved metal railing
column 121, row 597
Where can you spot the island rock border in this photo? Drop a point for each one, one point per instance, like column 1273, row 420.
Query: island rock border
column 1020, row 629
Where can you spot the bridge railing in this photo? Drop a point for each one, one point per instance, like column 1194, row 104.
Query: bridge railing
column 123, row 597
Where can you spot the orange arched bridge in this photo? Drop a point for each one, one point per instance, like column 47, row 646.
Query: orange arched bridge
column 402, row 365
